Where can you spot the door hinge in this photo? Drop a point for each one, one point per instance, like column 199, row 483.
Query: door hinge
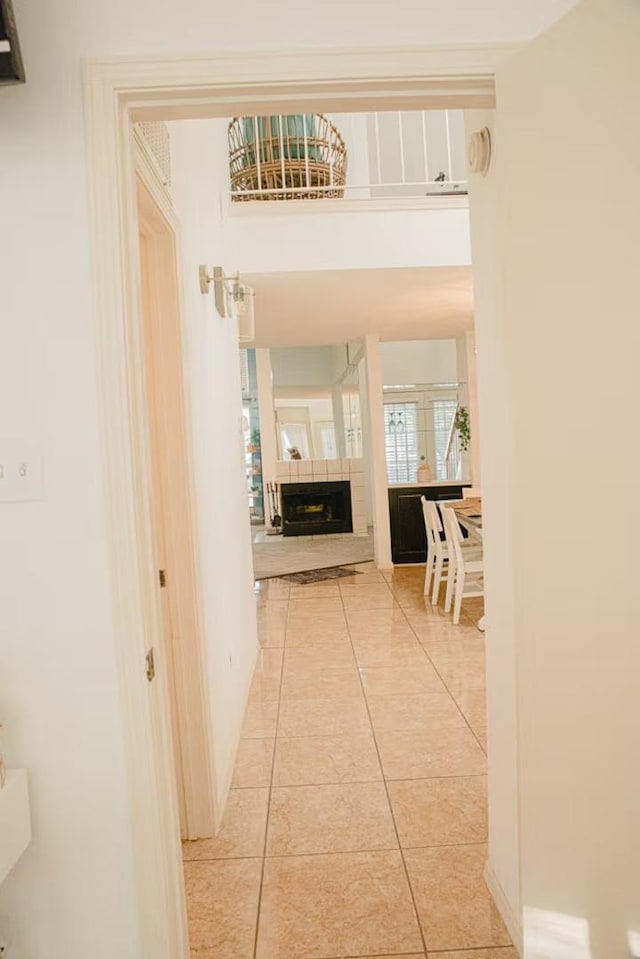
column 150, row 665
column 162, row 576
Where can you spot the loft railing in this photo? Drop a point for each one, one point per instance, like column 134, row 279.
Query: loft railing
column 392, row 155
column 292, row 157
column 417, row 153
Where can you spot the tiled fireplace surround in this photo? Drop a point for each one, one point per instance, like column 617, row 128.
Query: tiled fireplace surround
column 318, row 471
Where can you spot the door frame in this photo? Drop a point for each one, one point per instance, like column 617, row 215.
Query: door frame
column 186, row 660
column 119, row 92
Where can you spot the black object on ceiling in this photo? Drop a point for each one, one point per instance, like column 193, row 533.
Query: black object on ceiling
column 11, row 66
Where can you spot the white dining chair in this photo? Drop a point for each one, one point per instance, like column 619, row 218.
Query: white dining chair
column 431, row 545
column 438, row 555
column 466, row 567
column 436, row 549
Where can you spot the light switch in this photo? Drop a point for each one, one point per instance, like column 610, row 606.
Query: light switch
column 21, row 472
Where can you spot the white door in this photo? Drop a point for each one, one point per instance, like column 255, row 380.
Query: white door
column 567, row 148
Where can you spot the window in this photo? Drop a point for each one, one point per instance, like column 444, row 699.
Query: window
column 401, row 441
column 327, row 435
column 443, row 414
column 352, row 424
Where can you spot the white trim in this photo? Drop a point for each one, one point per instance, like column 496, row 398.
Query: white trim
column 209, row 85
column 189, row 654
column 330, row 206
column 119, row 92
column 511, row 920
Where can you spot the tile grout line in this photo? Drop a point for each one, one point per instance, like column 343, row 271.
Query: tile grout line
column 266, row 826
column 386, row 789
column 478, row 949
column 352, row 852
column 361, row 782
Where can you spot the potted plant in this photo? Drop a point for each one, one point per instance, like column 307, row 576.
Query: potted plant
column 461, row 423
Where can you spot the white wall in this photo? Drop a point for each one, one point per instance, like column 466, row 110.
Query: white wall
column 419, row 362
column 567, row 252
column 495, row 397
column 216, row 403
column 158, row 26
column 57, row 672
column 303, row 366
column 273, row 242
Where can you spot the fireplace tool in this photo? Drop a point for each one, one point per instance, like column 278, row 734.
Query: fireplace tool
column 273, row 491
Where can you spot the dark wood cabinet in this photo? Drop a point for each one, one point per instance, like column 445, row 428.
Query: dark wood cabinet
column 408, row 537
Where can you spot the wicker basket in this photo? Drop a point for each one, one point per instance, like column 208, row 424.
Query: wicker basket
column 293, row 157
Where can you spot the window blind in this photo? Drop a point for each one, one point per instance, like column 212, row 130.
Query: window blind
column 401, row 441
column 443, row 413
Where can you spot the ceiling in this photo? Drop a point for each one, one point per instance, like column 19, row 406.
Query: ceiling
column 335, row 306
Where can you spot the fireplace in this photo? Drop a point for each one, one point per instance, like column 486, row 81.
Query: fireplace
column 310, row 509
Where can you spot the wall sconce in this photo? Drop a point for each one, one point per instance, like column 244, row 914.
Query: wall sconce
column 232, row 298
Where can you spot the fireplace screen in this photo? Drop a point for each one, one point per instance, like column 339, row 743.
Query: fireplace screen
column 311, row 509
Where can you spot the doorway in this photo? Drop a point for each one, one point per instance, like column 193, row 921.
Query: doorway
column 216, row 87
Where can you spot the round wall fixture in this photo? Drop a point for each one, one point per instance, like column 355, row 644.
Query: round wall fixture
column 480, row 151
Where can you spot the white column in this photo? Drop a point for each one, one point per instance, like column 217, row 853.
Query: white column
column 366, row 445
column 378, row 465
column 338, row 420
column 267, row 415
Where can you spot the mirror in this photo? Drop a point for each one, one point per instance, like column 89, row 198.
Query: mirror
column 317, row 402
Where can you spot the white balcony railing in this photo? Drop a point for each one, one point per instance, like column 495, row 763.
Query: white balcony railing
column 402, row 155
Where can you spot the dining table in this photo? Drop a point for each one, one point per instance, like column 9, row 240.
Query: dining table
column 469, row 515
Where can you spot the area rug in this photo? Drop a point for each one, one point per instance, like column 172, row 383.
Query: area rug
column 320, row 575
column 299, row 554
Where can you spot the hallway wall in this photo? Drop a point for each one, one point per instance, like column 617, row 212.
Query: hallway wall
column 571, row 247
column 213, row 376
column 495, row 391
column 73, row 894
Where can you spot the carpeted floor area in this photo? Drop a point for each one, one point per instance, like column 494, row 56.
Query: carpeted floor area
column 295, row 554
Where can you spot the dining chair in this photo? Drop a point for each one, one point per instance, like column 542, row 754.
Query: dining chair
column 466, row 566
column 432, row 534
column 437, row 553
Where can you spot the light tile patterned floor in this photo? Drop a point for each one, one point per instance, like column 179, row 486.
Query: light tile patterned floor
column 357, row 821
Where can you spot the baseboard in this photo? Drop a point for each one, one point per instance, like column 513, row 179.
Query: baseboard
column 511, row 920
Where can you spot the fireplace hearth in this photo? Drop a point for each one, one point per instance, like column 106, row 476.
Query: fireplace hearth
column 311, row 509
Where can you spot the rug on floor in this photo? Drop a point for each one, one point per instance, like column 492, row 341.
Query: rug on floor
column 318, row 575
column 298, row 554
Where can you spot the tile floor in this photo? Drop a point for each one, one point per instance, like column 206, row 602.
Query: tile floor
column 357, row 821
